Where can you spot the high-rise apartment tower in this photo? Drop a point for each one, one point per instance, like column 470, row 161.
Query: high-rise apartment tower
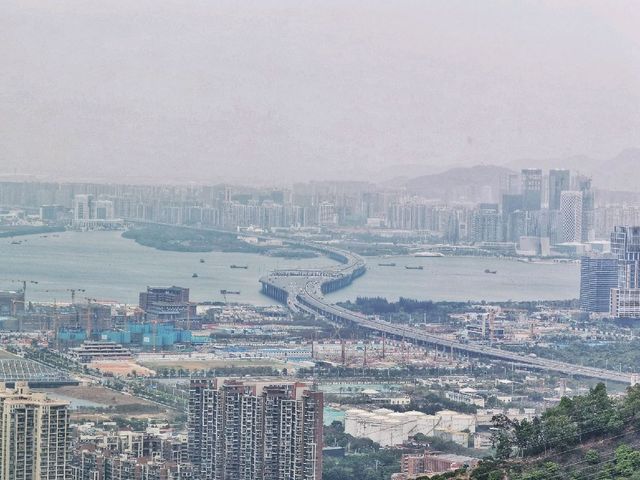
column 35, row 443
column 255, row 430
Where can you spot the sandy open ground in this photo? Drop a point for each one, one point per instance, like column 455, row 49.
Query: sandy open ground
column 122, row 368
column 213, row 363
column 98, row 394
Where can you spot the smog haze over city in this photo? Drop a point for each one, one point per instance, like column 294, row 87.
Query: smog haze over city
column 279, row 91
column 319, row 240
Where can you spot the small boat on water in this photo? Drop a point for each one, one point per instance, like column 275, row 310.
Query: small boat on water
column 490, row 271
column 428, row 254
column 16, row 242
column 240, row 266
column 230, row 292
column 202, row 260
column 419, row 267
column 386, row 264
column 195, row 275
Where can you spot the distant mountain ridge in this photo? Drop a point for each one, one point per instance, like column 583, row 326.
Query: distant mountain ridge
column 621, row 173
column 460, row 182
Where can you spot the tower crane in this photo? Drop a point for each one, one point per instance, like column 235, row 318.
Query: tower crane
column 91, row 301
column 24, row 285
column 73, row 293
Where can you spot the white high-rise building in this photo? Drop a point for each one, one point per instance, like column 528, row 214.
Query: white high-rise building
column 82, row 208
column 91, row 213
column 35, row 443
column 327, row 214
column 570, row 216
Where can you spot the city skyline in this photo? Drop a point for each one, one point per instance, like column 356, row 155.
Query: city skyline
column 319, row 240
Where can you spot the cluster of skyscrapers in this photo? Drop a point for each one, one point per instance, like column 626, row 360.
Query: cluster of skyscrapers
column 567, row 215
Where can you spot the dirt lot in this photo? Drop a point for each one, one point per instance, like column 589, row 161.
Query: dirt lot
column 122, row 369
column 100, row 395
column 104, row 404
column 207, row 364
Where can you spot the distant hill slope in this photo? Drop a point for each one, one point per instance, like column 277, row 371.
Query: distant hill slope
column 576, row 163
column 461, row 182
column 620, row 173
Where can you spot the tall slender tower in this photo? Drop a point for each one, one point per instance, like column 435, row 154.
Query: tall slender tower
column 571, row 216
column 532, row 189
column 559, row 181
column 34, row 435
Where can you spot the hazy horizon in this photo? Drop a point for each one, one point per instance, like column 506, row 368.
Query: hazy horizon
column 276, row 92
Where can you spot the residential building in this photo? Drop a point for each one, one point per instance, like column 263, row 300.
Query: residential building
column 101, row 453
column 327, row 214
column 255, row 430
column 625, row 302
column 34, row 435
column 417, row 465
column 82, row 208
column 487, row 223
column 89, row 212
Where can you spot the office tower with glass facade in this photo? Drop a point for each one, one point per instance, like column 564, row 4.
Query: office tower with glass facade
column 532, row 189
column 625, row 245
column 559, row 181
column 598, row 276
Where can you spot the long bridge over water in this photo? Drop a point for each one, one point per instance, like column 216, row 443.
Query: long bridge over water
column 303, row 291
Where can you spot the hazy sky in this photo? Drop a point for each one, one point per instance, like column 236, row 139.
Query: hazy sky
column 287, row 90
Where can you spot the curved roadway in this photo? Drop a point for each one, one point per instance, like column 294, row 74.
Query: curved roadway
column 303, row 290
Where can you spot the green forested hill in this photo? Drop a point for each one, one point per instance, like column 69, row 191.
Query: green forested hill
column 588, row 437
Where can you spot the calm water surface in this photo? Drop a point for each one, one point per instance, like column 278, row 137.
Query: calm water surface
column 464, row 278
column 110, row 267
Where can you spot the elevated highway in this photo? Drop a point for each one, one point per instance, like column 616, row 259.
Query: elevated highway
column 303, row 290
